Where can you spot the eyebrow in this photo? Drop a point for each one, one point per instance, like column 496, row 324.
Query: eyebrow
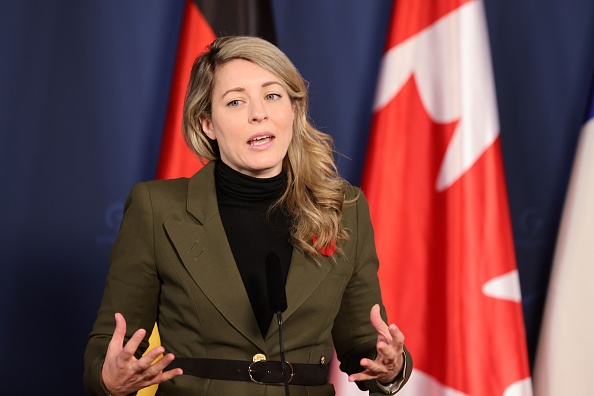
column 240, row 89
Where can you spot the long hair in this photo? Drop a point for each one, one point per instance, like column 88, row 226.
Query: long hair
column 315, row 193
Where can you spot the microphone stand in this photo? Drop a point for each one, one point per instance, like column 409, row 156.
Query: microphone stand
column 277, row 299
column 279, row 318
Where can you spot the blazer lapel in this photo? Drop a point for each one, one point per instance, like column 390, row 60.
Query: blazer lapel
column 305, row 275
column 205, row 252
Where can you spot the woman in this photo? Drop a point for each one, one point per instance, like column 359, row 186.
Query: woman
column 191, row 253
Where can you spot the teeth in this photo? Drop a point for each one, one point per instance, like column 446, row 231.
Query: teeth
column 261, row 138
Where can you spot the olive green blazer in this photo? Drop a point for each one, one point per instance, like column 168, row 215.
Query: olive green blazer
column 171, row 264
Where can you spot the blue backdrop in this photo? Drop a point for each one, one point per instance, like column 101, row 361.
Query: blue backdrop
column 83, row 93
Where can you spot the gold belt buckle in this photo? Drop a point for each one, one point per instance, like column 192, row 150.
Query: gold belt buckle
column 260, row 358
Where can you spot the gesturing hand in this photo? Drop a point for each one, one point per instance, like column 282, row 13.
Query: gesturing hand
column 389, row 359
column 122, row 373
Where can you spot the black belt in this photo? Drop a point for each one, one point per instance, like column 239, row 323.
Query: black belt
column 262, row 371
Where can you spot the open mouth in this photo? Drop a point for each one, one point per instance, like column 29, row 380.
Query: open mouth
column 260, row 140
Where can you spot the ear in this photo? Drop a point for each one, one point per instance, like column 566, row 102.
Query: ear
column 207, row 127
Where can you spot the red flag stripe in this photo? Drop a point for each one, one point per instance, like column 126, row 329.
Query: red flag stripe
column 176, row 159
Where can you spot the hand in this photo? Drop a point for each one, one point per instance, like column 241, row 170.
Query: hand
column 390, row 346
column 122, row 373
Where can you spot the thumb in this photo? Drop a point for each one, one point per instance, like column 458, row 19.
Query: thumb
column 120, row 330
column 376, row 320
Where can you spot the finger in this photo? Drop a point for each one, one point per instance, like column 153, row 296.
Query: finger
column 380, row 326
column 134, row 341
column 365, row 375
column 361, row 376
column 396, row 334
column 166, row 376
column 161, row 364
column 154, row 354
column 387, row 353
column 397, row 341
column 374, row 368
column 147, row 360
column 154, row 374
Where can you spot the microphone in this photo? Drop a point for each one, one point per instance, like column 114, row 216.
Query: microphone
column 275, row 282
column 277, row 301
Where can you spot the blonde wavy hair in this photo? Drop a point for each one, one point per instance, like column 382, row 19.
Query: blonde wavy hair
column 315, row 193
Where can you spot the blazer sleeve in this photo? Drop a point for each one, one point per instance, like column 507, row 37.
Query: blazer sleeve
column 131, row 288
column 353, row 334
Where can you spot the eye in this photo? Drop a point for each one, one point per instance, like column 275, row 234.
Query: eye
column 272, row 96
column 234, row 103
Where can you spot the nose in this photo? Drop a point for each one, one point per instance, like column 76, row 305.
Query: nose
column 257, row 111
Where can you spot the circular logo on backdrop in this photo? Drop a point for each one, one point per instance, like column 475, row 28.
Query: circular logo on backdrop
column 112, row 217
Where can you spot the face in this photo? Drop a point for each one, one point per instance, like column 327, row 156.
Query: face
column 251, row 119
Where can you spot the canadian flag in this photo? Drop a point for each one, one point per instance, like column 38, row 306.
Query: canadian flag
column 436, row 189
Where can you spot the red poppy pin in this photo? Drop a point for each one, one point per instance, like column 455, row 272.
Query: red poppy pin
column 326, row 250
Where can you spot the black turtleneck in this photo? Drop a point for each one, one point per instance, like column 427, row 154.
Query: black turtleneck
column 253, row 231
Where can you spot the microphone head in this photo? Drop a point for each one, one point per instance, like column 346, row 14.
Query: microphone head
column 275, row 282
